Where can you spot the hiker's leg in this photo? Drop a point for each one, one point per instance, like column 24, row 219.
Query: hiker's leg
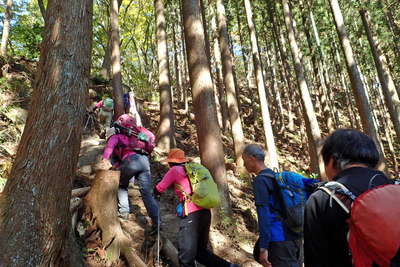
column 108, row 119
column 284, row 254
column 146, row 189
column 205, row 256
column 129, row 169
column 188, row 240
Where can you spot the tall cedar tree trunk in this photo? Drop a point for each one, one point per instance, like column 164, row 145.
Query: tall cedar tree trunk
column 227, row 70
column 42, row 9
column 323, row 72
column 385, row 78
column 116, row 60
column 359, row 90
column 176, row 64
column 35, row 221
column 269, row 135
column 166, row 130
column 395, row 29
column 185, row 63
column 106, row 65
column 219, row 92
column 245, row 67
column 6, row 28
column 312, row 127
column 221, row 104
column 208, row 131
column 281, row 51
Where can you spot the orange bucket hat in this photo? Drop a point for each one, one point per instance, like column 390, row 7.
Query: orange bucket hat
column 176, row 155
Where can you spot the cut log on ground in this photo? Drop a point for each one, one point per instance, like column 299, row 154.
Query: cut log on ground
column 105, row 233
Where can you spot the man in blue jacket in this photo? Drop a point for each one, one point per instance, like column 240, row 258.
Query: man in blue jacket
column 278, row 246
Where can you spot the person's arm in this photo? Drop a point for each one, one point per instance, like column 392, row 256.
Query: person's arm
column 263, row 215
column 167, row 180
column 112, row 142
column 261, row 195
column 316, row 241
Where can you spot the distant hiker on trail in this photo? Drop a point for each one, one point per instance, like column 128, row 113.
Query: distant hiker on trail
column 106, row 107
column 130, row 107
column 336, row 237
column 280, row 222
column 134, row 145
column 195, row 221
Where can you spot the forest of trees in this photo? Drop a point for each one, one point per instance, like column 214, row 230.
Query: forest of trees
column 250, row 71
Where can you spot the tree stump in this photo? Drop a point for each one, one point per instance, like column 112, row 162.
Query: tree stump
column 104, row 235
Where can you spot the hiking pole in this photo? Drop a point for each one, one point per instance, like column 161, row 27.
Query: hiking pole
column 158, row 237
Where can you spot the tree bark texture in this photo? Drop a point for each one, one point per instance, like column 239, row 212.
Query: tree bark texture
column 102, row 216
column 269, row 135
column 285, row 70
column 106, row 65
column 312, row 127
column 116, row 60
column 35, row 221
column 230, row 89
column 221, row 103
column 359, row 90
column 208, row 131
column 6, row 28
column 385, row 78
column 166, row 129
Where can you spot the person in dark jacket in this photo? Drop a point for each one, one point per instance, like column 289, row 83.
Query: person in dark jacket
column 350, row 158
column 277, row 246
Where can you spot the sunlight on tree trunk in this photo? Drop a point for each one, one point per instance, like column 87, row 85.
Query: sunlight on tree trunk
column 37, row 194
column 227, row 70
column 166, row 129
column 208, row 131
column 385, row 78
column 6, row 28
column 359, row 91
column 312, row 127
column 268, row 133
column 116, row 60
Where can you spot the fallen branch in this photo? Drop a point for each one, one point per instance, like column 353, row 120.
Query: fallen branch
column 80, row 192
column 75, row 204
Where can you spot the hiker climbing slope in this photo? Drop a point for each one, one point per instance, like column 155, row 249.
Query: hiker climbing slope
column 135, row 144
column 195, row 221
column 279, row 199
column 354, row 219
column 106, row 107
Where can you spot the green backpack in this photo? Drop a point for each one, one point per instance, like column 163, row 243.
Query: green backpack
column 108, row 104
column 204, row 190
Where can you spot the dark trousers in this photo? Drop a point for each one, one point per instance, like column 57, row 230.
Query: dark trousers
column 281, row 254
column 137, row 166
column 193, row 240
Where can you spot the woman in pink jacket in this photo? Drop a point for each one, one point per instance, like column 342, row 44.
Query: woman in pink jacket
column 134, row 145
column 195, row 221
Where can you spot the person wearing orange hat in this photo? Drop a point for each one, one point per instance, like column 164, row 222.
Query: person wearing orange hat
column 195, row 221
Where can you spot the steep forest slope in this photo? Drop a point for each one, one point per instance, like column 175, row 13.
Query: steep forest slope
column 233, row 241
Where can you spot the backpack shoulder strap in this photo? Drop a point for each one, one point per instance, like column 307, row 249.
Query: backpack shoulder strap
column 332, row 188
column 332, row 195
